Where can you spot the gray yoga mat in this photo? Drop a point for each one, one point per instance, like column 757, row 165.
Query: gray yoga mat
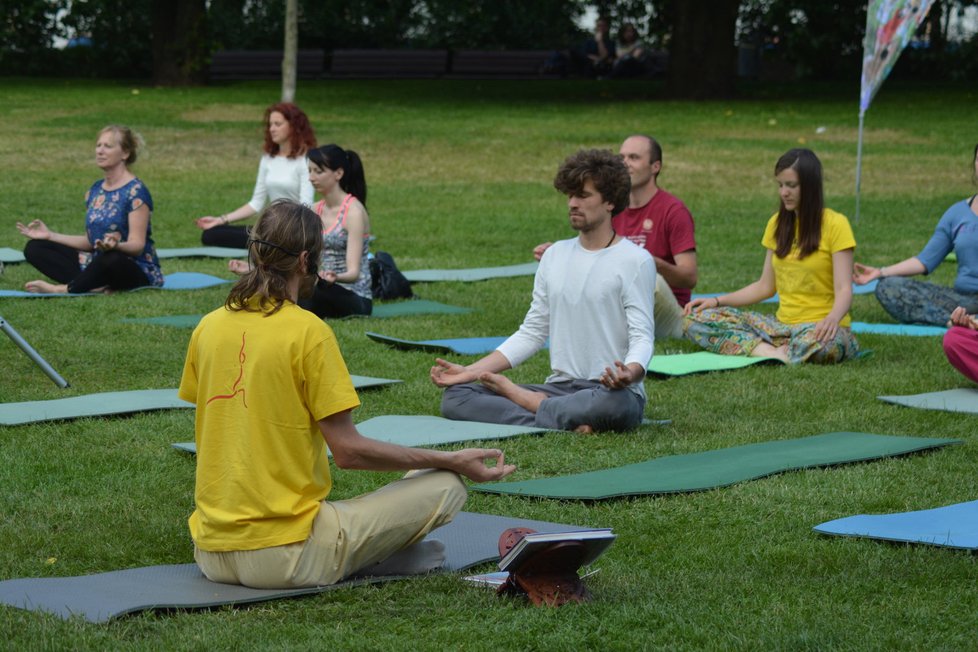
column 473, row 274
column 469, row 540
column 423, row 430
column 963, row 399
column 460, row 346
column 107, row 403
column 202, row 252
column 718, row 468
column 90, row 405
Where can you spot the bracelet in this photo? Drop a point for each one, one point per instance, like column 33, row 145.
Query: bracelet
column 882, row 275
column 718, row 301
column 224, row 218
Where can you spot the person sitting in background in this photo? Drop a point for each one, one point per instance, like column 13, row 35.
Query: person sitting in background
column 660, row 223
column 282, row 174
column 343, row 288
column 808, row 263
column 910, row 301
column 272, row 391
column 116, row 252
column 592, row 300
column 631, row 54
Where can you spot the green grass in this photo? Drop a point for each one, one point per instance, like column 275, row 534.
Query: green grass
column 460, row 175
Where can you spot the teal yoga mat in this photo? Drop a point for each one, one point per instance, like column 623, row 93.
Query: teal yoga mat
column 90, row 405
column 175, row 281
column 469, row 540
column 461, row 346
column 682, row 364
column 952, row 526
column 912, row 330
column 8, row 255
column 474, row 274
column 423, row 430
column 718, row 468
column 963, row 399
column 202, row 252
column 383, row 310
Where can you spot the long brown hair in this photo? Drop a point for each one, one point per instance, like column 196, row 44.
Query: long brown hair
column 284, row 230
column 301, row 136
column 810, row 206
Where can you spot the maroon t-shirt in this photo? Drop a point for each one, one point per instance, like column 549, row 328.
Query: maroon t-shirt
column 664, row 227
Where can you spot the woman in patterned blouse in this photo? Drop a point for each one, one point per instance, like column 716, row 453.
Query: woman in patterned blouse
column 116, row 252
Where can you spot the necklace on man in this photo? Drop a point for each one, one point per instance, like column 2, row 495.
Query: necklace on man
column 613, row 236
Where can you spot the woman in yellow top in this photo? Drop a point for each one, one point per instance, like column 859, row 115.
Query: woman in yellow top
column 808, row 263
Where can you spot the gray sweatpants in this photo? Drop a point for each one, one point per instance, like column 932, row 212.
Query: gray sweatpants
column 570, row 404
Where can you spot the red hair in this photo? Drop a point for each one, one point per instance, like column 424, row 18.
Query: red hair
column 301, row 137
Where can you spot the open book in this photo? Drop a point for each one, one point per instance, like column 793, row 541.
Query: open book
column 595, row 543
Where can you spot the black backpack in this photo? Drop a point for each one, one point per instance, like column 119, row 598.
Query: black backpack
column 386, row 281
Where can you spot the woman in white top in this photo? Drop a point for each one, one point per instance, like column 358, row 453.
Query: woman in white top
column 282, row 174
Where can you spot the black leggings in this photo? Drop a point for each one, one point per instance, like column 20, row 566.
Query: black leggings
column 112, row 269
column 335, row 301
column 225, row 235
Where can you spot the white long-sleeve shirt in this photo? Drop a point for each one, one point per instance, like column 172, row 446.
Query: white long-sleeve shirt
column 280, row 177
column 595, row 307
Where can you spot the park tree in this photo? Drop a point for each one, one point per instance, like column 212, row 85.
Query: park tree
column 180, row 43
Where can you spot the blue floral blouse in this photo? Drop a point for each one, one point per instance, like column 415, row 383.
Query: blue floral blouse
column 108, row 211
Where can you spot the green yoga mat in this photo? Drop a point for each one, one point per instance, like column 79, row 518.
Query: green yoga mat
column 423, row 430
column 718, row 468
column 383, row 310
column 682, row 364
column 963, row 399
column 474, row 274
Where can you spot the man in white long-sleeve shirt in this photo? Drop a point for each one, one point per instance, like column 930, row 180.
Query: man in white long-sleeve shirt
column 592, row 298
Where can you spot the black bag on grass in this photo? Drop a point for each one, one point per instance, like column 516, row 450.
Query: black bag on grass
column 386, row 281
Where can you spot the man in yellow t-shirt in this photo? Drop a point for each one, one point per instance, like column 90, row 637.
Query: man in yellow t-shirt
column 272, row 391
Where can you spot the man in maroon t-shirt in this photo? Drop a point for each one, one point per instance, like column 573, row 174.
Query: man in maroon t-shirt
column 661, row 223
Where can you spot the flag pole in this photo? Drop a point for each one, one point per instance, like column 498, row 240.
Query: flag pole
column 859, row 161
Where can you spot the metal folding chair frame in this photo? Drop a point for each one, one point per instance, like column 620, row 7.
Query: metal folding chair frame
column 32, row 354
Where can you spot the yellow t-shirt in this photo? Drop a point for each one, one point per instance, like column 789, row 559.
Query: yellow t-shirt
column 806, row 287
column 260, row 385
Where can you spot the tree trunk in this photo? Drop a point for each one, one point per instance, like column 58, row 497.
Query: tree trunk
column 290, row 51
column 179, row 42
column 703, row 57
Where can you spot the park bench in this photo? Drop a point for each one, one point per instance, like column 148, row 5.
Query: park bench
column 234, row 65
column 389, row 64
column 500, row 64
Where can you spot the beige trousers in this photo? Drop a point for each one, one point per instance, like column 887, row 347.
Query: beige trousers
column 347, row 535
column 668, row 314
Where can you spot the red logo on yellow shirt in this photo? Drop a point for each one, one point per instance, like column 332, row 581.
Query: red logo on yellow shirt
column 235, row 389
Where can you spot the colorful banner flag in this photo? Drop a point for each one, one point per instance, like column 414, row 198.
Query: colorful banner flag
column 890, row 24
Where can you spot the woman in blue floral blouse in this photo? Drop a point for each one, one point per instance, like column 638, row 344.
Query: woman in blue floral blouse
column 116, row 252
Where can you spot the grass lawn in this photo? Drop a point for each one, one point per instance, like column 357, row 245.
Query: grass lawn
column 460, row 176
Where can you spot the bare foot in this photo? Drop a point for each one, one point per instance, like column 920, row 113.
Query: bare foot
column 239, row 266
column 506, row 388
column 584, row 429
column 765, row 350
column 43, row 287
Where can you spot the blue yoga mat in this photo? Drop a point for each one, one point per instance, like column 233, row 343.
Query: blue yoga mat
column 869, row 288
column 175, row 281
column 913, row 330
column 953, row 526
